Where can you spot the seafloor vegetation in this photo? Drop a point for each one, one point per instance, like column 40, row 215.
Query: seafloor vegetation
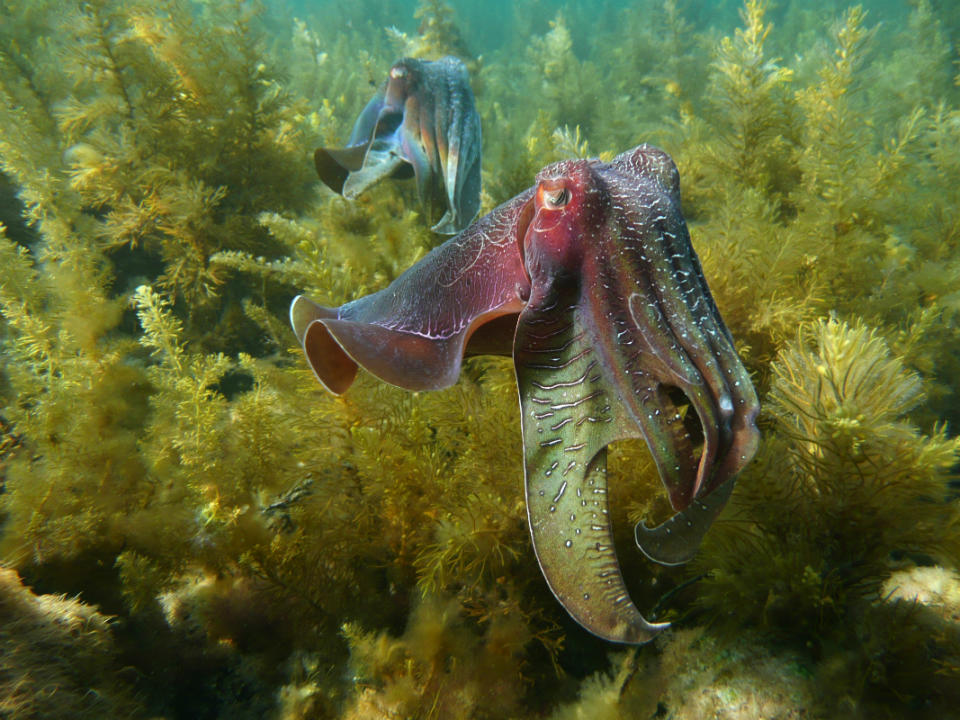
column 234, row 542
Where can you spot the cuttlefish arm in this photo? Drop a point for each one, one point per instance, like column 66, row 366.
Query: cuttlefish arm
column 676, row 540
column 569, row 414
column 445, row 125
column 671, row 312
column 619, row 317
column 415, row 332
column 423, row 121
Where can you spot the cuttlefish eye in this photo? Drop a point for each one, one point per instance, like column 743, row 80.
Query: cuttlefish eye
column 554, row 198
column 397, row 73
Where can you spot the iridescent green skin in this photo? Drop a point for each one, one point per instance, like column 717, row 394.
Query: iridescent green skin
column 593, row 275
column 569, row 416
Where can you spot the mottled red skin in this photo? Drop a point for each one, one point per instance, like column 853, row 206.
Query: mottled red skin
column 590, row 280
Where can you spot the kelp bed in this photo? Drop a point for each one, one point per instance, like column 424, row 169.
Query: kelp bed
column 263, row 549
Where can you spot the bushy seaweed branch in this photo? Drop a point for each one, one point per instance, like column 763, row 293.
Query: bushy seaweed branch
column 748, row 89
column 818, row 517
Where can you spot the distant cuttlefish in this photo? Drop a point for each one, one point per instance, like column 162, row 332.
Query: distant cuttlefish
column 422, row 122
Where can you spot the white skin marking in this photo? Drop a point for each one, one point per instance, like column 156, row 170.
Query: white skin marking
column 538, row 223
column 487, row 236
column 484, row 237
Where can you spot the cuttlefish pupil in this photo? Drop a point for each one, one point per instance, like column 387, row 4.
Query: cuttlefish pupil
column 554, row 198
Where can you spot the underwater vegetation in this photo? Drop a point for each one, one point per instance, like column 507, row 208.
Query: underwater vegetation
column 232, row 541
column 58, row 658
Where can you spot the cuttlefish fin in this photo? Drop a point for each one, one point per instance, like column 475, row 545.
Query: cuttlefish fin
column 569, row 416
column 405, row 359
column 675, row 541
column 334, row 165
column 333, row 367
column 335, row 348
column 382, row 160
column 463, row 296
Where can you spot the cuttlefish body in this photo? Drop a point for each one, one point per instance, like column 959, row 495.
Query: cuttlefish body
column 423, row 121
column 590, row 280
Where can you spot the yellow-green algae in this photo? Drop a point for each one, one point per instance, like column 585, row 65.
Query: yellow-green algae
column 272, row 551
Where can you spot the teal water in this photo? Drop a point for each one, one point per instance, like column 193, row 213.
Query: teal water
column 192, row 527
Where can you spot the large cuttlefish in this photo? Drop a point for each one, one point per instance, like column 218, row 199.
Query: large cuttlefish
column 590, row 279
column 422, row 122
